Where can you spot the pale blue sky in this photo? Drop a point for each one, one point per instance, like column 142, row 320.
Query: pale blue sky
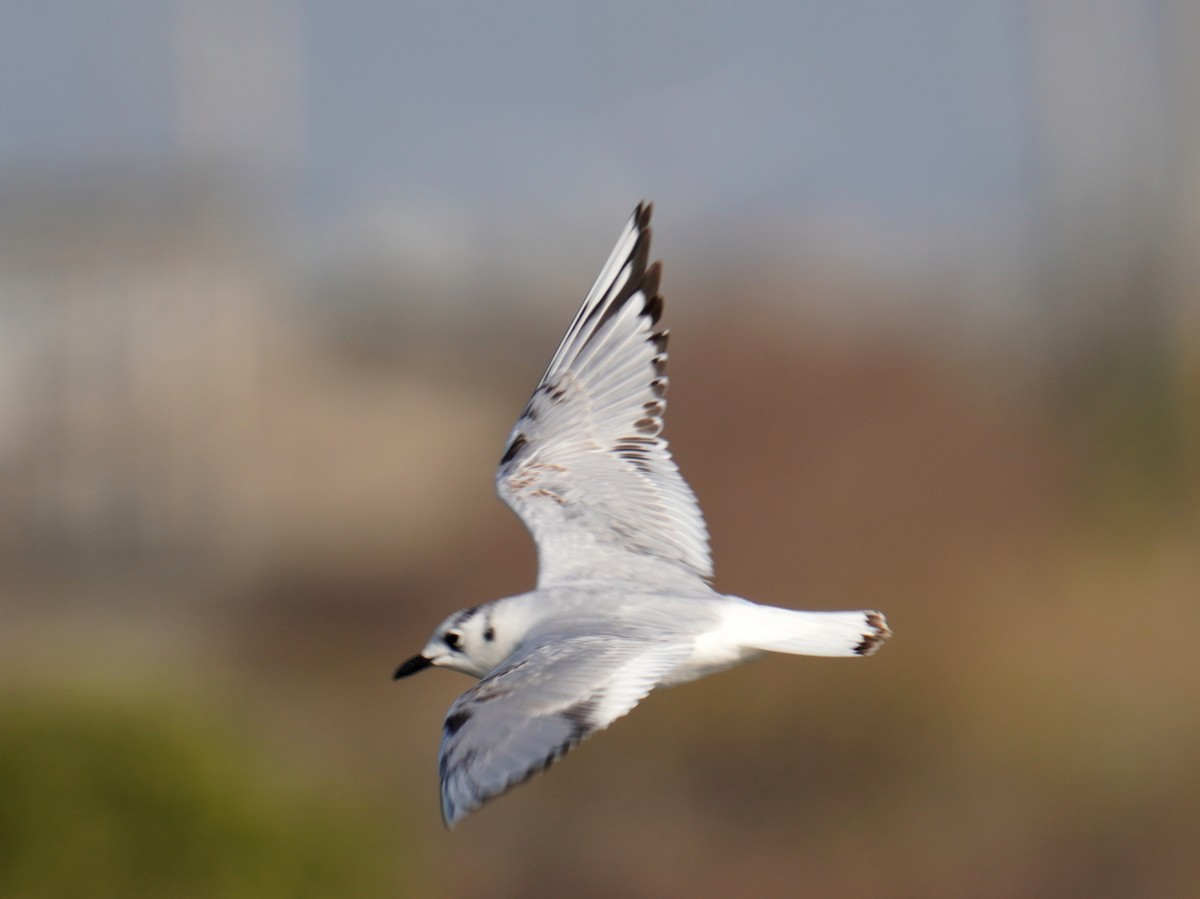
column 903, row 108
column 918, row 134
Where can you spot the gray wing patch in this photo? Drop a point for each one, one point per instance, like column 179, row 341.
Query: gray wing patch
column 535, row 707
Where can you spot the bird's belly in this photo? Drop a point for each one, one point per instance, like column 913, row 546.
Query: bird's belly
column 711, row 653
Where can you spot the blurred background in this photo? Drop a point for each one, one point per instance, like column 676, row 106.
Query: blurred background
column 276, row 277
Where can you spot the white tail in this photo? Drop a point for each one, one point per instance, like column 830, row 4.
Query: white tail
column 810, row 633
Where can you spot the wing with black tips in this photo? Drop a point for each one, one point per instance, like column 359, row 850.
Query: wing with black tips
column 586, row 466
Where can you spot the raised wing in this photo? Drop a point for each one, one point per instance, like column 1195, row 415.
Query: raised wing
column 544, row 700
column 586, row 467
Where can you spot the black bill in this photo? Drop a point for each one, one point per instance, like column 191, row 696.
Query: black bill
column 412, row 666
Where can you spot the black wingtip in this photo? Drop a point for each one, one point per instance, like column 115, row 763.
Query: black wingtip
column 649, row 286
column 643, row 280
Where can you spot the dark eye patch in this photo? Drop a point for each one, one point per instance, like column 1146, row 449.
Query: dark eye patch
column 452, row 639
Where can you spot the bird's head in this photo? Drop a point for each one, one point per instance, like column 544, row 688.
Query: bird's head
column 467, row 641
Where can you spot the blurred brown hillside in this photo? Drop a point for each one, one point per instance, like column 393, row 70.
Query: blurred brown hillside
column 216, row 495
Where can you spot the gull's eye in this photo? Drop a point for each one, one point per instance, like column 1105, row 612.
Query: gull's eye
column 452, row 639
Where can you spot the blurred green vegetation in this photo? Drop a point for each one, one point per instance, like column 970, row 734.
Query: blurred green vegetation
column 124, row 797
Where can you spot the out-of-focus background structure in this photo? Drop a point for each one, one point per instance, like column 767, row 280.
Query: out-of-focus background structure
column 276, row 277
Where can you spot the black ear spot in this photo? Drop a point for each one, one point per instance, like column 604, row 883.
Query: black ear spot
column 489, row 634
